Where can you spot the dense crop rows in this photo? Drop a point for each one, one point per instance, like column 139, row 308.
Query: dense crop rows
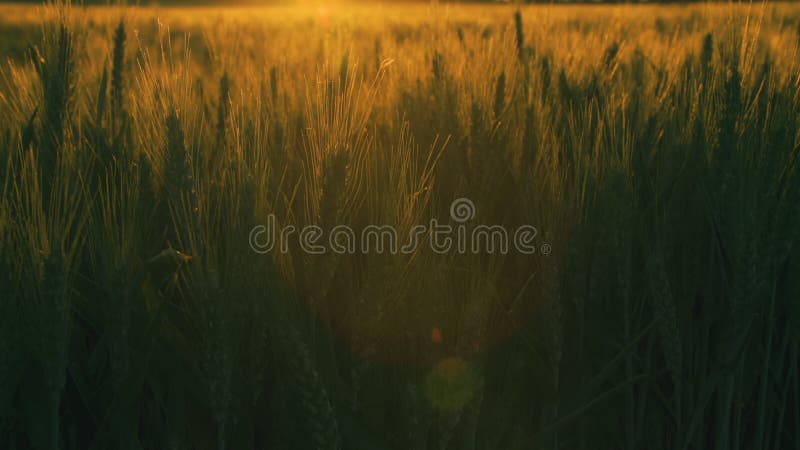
column 655, row 150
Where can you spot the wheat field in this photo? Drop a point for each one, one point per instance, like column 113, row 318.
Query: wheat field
column 653, row 148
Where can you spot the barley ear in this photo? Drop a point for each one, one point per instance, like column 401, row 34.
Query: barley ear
column 610, row 55
column 546, row 75
column 666, row 319
column 732, row 107
column 273, row 83
column 314, row 403
column 332, row 197
column 500, row 96
column 102, row 100
column 56, row 69
column 178, row 182
column 520, row 35
column 707, row 53
column 178, row 171
column 564, row 89
column 343, row 71
column 222, row 110
column 437, row 67
column 117, row 80
column 54, row 318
